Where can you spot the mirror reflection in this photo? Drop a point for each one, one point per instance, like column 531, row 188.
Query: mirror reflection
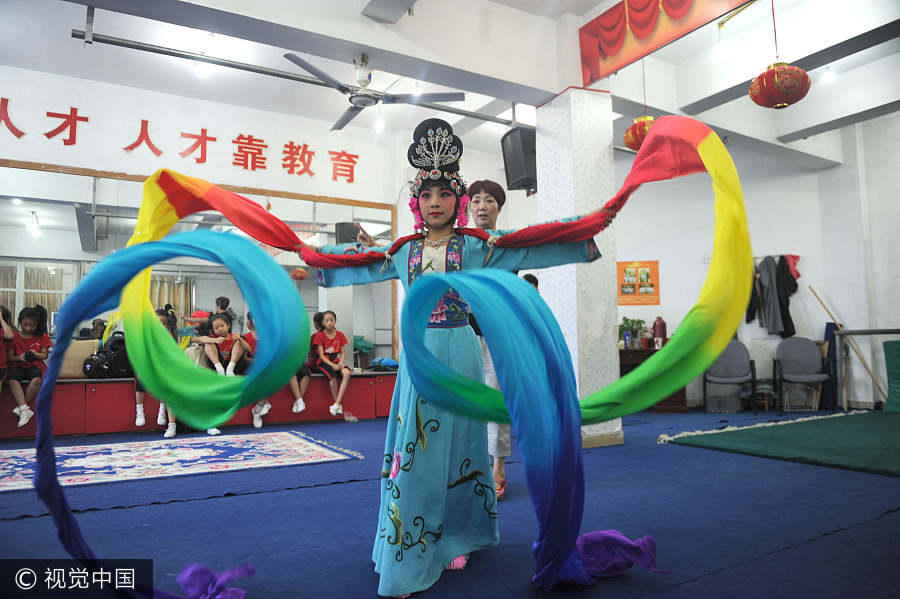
column 56, row 226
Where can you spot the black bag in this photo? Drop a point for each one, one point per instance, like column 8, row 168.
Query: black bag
column 117, row 357
column 110, row 361
column 96, row 366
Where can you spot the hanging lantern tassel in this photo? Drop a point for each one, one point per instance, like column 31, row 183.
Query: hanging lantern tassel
column 638, row 130
column 298, row 274
column 780, row 86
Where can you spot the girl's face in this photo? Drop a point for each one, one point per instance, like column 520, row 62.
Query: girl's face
column 28, row 326
column 438, row 206
column 484, row 210
column 163, row 319
column 329, row 321
column 220, row 327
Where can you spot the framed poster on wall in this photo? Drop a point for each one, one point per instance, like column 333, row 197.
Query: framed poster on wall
column 638, row 283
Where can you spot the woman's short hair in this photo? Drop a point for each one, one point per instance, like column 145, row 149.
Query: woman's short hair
column 491, row 187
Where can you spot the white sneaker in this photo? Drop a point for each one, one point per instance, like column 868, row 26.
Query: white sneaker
column 230, row 370
column 299, row 406
column 170, row 431
column 139, row 419
column 161, row 417
column 25, row 415
column 16, row 410
column 257, row 420
column 265, row 408
column 219, row 368
column 335, row 409
column 213, row 431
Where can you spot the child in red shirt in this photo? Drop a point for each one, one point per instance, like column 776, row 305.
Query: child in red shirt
column 222, row 345
column 330, row 344
column 25, row 357
column 248, row 343
column 303, row 375
column 5, row 340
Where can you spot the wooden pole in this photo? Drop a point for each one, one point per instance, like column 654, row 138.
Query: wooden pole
column 852, row 345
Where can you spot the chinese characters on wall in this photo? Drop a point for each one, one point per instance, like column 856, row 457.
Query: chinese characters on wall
column 250, row 153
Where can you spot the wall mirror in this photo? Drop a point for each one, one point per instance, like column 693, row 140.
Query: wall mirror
column 58, row 222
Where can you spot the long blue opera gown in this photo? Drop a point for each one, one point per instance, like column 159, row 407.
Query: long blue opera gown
column 437, row 488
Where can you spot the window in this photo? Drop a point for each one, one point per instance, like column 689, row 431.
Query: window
column 8, row 287
column 24, row 284
column 48, row 284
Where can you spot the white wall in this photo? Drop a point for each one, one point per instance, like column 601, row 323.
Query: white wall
column 880, row 140
column 842, row 222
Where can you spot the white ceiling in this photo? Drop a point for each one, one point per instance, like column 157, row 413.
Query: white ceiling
column 36, row 35
column 551, row 9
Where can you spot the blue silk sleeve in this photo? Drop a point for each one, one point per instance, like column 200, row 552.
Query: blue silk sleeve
column 355, row 275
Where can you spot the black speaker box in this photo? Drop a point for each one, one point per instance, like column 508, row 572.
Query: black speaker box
column 345, row 232
column 519, row 158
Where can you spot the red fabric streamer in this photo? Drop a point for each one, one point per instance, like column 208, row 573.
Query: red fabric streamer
column 642, row 17
column 676, row 9
column 669, row 151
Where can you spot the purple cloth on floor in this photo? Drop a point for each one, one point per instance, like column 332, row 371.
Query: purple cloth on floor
column 607, row 553
column 199, row 582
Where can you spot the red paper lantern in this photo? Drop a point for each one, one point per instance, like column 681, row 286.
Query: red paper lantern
column 638, row 130
column 298, row 274
column 780, row 86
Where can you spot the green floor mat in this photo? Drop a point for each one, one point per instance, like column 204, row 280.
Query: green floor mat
column 892, row 364
column 869, row 442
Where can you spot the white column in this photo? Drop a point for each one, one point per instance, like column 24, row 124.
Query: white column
column 575, row 172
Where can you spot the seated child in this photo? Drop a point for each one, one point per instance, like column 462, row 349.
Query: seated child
column 223, row 344
column 6, row 338
column 25, row 357
column 165, row 316
column 329, row 343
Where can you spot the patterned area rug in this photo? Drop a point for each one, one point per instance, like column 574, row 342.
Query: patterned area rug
column 89, row 464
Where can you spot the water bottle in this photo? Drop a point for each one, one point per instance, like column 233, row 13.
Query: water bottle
column 627, row 339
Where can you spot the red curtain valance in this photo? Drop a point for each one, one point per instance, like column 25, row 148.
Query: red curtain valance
column 603, row 37
column 642, row 17
column 676, row 9
column 609, row 29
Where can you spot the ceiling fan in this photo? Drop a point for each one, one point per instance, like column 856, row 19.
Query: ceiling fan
column 362, row 97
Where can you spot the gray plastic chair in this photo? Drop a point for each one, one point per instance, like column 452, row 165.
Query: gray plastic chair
column 733, row 367
column 798, row 360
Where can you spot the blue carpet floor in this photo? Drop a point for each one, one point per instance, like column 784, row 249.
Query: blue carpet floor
column 726, row 525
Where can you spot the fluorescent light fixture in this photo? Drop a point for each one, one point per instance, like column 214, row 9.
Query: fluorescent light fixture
column 378, row 125
column 16, row 201
column 417, row 89
column 827, row 77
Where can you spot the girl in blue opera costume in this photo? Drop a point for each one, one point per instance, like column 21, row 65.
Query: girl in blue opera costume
column 438, row 502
